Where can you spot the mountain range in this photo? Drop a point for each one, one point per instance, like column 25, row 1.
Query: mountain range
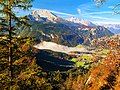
column 46, row 26
column 115, row 28
column 44, row 15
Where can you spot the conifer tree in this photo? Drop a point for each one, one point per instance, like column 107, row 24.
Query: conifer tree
column 8, row 23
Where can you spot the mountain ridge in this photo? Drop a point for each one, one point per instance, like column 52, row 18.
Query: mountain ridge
column 47, row 26
column 115, row 28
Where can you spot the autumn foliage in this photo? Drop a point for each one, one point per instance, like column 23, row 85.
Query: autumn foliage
column 104, row 73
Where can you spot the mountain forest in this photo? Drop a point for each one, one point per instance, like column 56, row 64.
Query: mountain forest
column 43, row 51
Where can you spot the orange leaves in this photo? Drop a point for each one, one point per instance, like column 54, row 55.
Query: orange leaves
column 11, row 2
column 99, row 76
column 104, row 75
column 112, row 43
column 117, row 86
column 6, row 9
column 78, row 84
column 25, row 47
column 75, row 83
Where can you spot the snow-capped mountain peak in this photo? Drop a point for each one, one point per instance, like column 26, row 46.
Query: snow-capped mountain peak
column 43, row 13
column 74, row 20
column 87, row 23
column 80, row 21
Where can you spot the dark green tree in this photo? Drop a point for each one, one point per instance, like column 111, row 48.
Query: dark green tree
column 8, row 23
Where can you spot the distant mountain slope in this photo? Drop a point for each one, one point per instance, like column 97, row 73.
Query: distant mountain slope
column 47, row 26
column 115, row 28
column 55, row 32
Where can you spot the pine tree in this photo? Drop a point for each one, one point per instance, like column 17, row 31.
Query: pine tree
column 8, row 23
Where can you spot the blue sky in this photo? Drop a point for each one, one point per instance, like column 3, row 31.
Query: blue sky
column 85, row 9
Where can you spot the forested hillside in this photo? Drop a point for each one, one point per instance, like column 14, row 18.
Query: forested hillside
column 39, row 52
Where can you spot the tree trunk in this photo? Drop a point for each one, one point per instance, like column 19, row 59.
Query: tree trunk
column 10, row 42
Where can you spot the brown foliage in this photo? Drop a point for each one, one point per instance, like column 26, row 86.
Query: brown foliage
column 106, row 74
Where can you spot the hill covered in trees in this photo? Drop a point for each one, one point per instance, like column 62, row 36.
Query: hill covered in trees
column 23, row 67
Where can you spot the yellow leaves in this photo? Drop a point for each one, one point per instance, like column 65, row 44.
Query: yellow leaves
column 26, row 75
column 26, row 46
column 39, row 81
column 2, row 76
column 1, row 1
column 10, row 1
column 14, row 87
column 20, row 61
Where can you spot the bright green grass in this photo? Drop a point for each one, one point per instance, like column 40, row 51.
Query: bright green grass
column 80, row 63
column 74, row 60
column 86, row 57
column 103, row 53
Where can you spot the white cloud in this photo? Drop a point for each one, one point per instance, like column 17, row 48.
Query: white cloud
column 93, row 16
column 111, row 7
column 79, row 11
column 105, row 20
column 61, row 13
column 104, row 12
column 100, row 18
column 98, row 15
